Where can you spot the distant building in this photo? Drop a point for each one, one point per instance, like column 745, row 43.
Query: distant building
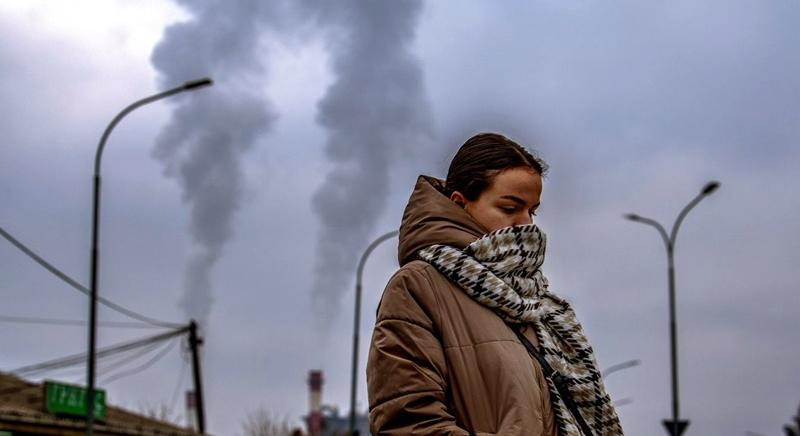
column 334, row 424
column 23, row 412
column 324, row 420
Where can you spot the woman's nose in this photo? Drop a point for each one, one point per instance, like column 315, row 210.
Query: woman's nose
column 523, row 219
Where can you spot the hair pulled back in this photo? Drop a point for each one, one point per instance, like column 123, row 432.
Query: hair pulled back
column 481, row 158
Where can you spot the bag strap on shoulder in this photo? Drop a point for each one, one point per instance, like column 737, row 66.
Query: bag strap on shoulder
column 558, row 380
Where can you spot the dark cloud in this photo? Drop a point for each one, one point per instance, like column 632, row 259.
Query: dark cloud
column 634, row 106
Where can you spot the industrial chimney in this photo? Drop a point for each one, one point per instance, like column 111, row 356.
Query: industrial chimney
column 315, row 402
column 191, row 411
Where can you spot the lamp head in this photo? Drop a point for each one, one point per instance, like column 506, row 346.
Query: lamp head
column 710, row 187
column 632, row 217
column 199, row 83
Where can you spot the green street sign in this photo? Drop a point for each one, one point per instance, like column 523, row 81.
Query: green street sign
column 61, row 398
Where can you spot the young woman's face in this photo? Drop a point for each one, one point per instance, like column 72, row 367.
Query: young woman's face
column 510, row 200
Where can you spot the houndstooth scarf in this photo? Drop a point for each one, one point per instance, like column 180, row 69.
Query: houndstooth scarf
column 502, row 270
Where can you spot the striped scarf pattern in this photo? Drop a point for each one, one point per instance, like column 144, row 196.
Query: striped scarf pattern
column 502, row 271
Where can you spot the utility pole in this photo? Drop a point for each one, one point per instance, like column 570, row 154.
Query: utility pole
column 194, row 343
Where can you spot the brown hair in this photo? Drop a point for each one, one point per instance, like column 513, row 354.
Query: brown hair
column 481, row 158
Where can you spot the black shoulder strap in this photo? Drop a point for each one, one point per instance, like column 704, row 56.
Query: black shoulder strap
column 559, row 380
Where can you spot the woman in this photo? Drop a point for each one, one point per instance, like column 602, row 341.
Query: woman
column 467, row 328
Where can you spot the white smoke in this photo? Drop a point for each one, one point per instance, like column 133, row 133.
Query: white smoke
column 375, row 112
column 210, row 131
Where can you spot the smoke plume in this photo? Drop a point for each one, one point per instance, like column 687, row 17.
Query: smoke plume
column 375, row 111
column 210, row 130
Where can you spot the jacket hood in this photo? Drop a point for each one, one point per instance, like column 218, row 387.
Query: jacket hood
column 432, row 218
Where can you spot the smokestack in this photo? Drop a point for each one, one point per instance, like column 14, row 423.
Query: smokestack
column 314, row 402
column 191, row 411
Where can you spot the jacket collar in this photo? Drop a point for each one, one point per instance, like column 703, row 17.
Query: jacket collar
column 432, row 218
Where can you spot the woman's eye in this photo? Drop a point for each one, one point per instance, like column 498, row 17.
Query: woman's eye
column 508, row 209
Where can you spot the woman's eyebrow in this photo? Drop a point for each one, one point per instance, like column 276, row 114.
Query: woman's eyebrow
column 517, row 200
column 513, row 198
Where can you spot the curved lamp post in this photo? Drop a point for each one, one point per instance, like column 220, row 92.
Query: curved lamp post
column 619, row 367
column 91, row 357
column 357, row 321
column 616, row 368
column 676, row 426
column 623, row 401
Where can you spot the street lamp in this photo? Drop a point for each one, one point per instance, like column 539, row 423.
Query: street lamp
column 356, row 322
column 623, row 402
column 91, row 357
column 616, row 368
column 619, row 367
column 676, row 426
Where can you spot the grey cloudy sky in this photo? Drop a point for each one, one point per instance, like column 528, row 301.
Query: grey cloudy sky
column 635, row 105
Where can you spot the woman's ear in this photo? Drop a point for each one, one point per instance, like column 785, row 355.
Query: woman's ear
column 457, row 198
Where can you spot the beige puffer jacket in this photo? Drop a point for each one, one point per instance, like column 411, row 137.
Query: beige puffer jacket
column 439, row 362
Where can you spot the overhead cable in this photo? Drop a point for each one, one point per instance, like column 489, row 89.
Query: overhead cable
column 71, row 322
column 174, row 399
column 127, row 359
column 70, row 281
column 80, row 358
column 141, row 367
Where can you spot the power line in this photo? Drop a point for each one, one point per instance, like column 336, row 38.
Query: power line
column 70, row 281
column 69, row 322
column 142, row 367
column 180, row 382
column 79, row 358
column 67, row 371
column 122, row 361
column 78, row 371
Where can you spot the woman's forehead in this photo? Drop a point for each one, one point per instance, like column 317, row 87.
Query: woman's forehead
column 521, row 183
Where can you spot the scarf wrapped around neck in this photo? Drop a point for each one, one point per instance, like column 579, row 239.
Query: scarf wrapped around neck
column 502, row 271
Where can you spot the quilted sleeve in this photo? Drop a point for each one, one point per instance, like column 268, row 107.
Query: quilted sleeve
column 406, row 371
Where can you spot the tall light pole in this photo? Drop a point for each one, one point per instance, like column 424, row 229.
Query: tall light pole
column 676, row 426
column 91, row 357
column 357, row 321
